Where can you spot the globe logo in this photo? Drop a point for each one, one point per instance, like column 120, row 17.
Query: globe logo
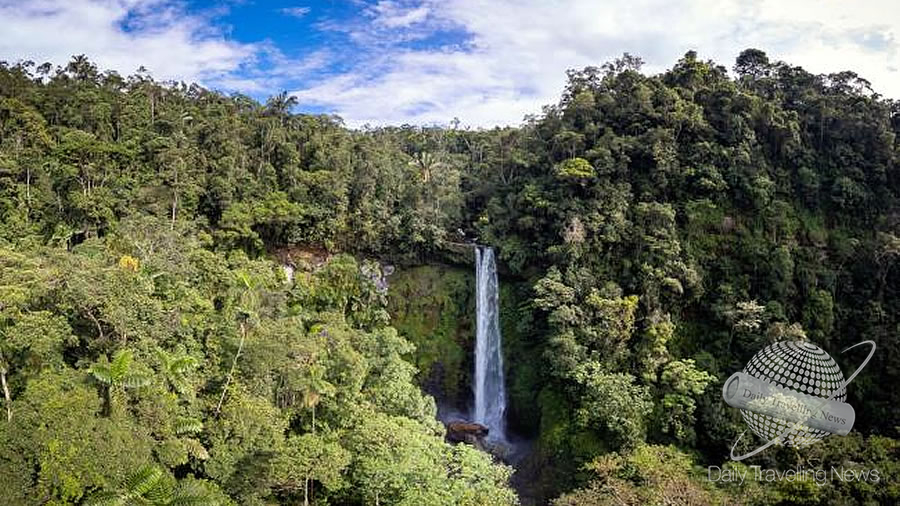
column 799, row 367
column 792, row 393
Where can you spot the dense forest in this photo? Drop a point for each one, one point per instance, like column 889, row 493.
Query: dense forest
column 653, row 233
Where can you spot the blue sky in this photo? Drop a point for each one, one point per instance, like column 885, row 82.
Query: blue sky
column 486, row 62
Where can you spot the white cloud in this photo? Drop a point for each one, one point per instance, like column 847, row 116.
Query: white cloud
column 297, row 12
column 517, row 51
column 122, row 35
column 503, row 59
column 394, row 15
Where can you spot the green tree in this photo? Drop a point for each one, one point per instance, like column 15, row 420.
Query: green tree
column 307, row 458
column 118, row 375
column 150, row 485
column 31, row 342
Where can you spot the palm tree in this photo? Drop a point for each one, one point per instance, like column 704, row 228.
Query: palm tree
column 314, row 387
column 280, row 106
column 82, row 68
column 426, row 163
column 150, row 486
column 186, row 426
column 176, row 370
column 249, row 302
column 118, row 376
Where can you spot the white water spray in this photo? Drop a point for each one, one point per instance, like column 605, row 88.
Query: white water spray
column 490, row 392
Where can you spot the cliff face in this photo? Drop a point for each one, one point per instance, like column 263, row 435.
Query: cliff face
column 433, row 306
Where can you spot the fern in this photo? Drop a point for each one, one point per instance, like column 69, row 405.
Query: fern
column 135, row 380
column 148, row 485
column 196, row 449
column 181, row 365
column 117, row 376
column 143, row 481
column 121, row 363
column 102, row 373
column 105, row 499
column 192, row 493
column 185, row 425
column 176, row 369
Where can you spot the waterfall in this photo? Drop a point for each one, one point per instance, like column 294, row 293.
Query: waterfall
column 490, row 393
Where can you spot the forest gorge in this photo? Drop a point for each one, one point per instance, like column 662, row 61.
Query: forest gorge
column 652, row 233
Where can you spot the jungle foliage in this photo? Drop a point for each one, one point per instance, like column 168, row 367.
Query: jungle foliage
column 654, row 232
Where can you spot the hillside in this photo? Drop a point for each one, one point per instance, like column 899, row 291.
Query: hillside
column 653, row 233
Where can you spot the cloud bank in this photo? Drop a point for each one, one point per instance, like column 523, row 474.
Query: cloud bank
column 515, row 53
column 123, row 35
column 486, row 62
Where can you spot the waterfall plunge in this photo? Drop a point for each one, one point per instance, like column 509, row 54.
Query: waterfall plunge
column 490, row 393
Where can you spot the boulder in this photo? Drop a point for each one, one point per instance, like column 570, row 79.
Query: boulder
column 460, row 431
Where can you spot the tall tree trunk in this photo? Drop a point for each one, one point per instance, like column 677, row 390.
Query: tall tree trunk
column 6, row 395
column 233, row 365
column 174, row 196
column 28, row 194
column 308, row 484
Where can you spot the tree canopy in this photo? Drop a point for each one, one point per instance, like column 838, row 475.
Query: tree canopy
column 653, row 233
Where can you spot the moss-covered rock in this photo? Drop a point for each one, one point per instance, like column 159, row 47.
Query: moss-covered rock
column 433, row 306
column 521, row 357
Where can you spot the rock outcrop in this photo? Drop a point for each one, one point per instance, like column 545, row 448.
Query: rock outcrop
column 460, row 431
